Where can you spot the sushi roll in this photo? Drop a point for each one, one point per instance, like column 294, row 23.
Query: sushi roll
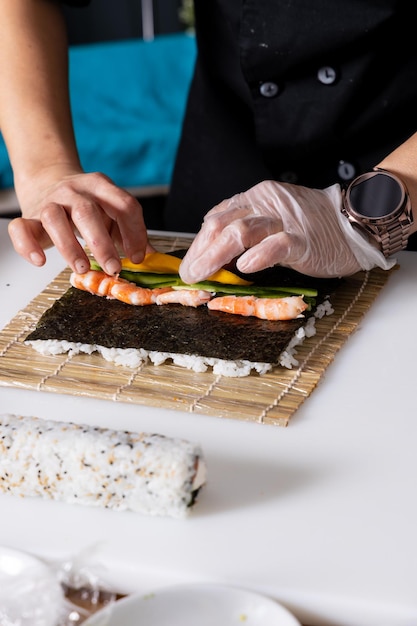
column 145, row 473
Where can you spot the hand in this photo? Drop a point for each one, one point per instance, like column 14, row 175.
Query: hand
column 278, row 223
column 57, row 209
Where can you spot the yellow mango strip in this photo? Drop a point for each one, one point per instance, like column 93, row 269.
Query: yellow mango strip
column 228, row 278
column 162, row 263
column 157, row 262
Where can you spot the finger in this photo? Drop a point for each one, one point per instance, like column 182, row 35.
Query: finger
column 55, row 222
column 199, row 263
column 215, row 221
column 27, row 237
column 89, row 220
column 235, row 209
column 280, row 248
column 126, row 211
column 229, row 244
column 150, row 248
column 131, row 227
column 117, row 239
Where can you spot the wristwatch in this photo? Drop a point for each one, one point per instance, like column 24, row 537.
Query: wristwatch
column 377, row 204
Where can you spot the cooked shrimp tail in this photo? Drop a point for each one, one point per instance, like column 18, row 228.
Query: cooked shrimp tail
column 287, row 308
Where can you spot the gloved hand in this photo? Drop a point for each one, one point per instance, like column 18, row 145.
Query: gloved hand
column 279, row 223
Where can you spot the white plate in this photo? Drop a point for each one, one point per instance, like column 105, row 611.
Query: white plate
column 188, row 605
column 29, row 592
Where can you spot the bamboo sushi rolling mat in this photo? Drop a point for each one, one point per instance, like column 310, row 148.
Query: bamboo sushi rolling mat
column 271, row 398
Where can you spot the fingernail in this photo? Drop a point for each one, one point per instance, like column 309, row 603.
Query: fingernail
column 81, row 266
column 36, row 258
column 243, row 266
column 137, row 257
column 112, row 266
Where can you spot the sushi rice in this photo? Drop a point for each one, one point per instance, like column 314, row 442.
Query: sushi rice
column 80, row 464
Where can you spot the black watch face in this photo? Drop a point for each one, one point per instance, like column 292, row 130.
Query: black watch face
column 377, row 196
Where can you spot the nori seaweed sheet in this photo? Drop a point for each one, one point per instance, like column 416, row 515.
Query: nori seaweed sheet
column 79, row 316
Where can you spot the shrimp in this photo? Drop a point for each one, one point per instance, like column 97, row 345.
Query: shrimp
column 130, row 293
column 187, row 297
column 265, row 308
column 102, row 284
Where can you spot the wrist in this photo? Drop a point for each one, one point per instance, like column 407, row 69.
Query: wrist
column 378, row 205
column 33, row 182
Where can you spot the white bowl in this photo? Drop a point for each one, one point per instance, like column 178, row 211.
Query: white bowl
column 188, row 605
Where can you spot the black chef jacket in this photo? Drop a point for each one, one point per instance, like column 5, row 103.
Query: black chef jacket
column 309, row 92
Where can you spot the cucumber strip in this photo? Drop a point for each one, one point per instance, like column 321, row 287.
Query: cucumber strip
column 149, row 279
column 255, row 290
column 153, row 281
column 168, row 280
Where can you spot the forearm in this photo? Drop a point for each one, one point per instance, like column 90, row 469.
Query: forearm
column 403, row 163
column 59, row 202
column 35, row 117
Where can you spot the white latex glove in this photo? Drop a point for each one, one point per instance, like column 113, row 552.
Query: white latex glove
column 279, row 223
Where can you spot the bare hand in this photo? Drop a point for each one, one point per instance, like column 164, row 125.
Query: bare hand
column 89, row 206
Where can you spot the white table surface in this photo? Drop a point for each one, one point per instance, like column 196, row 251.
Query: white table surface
column 321, row 515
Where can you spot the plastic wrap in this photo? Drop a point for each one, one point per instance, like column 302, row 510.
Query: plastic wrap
column 62, row 593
